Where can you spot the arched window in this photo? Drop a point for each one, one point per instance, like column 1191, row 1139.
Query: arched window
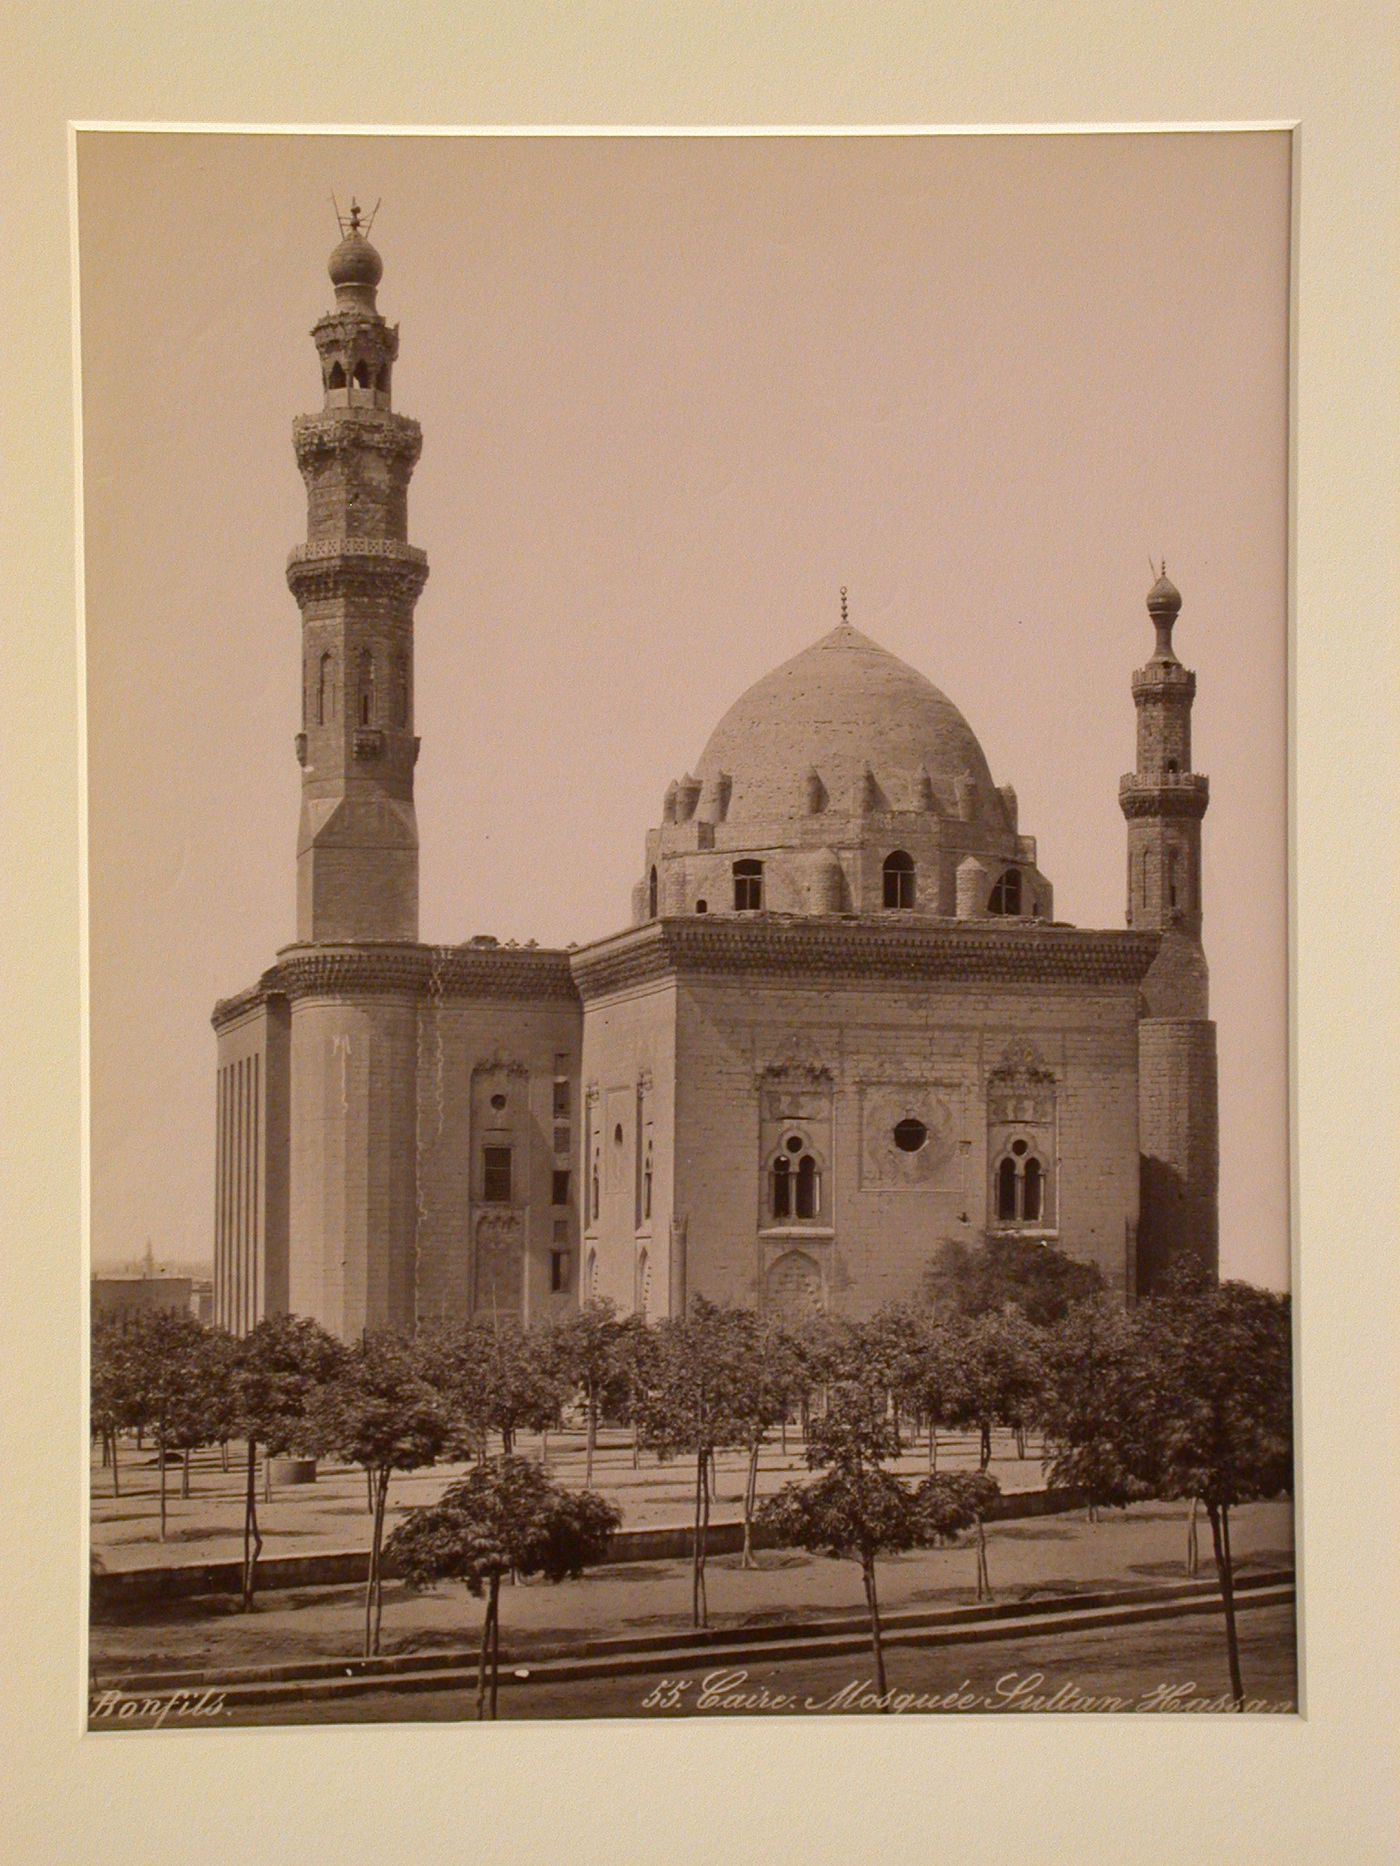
column 1021, row 1186
column 651, row 895
column 381, row 381
column 1006, row 895
column 748, row 887
column 702, row 907
column 361, row 375
column 899, row 879
column 808, row 1187
column 336, row 379
column 646, row 1183
column 366, row 714
column 782, row 1187
column 1006, row 1192
column 325, row 690
column 795, row 1182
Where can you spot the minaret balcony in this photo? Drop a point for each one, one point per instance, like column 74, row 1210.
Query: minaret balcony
column 324, row 567
column 1164, row 793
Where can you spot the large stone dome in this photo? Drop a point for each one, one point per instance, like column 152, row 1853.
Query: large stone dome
column 846, row 710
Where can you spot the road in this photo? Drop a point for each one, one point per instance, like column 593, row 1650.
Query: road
column 1167, row 1665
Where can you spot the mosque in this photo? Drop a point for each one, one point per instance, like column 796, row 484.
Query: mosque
column 842, row 1026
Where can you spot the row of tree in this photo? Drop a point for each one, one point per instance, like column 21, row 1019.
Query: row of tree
column 1184, row 1396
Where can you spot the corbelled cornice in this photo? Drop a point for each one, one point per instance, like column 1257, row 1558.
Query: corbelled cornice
column 517, row 973
column 860, row 950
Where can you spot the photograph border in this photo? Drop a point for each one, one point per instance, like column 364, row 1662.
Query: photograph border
column 1316, row 1786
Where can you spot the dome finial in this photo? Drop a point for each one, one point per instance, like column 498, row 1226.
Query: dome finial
column 844, row 616
column 1163, row 605
column 355, row 267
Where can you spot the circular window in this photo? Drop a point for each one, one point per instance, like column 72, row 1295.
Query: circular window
column 617, row 1135
column 1018, row 1147
column 910, row 1135
column 793, row 1143
column 498, row 1102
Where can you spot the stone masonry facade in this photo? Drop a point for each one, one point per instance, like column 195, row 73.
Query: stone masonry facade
column 842, row 1027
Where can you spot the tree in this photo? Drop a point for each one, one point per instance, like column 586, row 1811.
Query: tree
column 586, row 1346
column 1040, row 1281
column 856, row 1509
column 378, row 1412
column 492, row 1378
column 767, row 1374
column 506, row 1516
column 157, row 1366
column 953, row 1501
column 691, row 1404
column 278, row 1369
column 1096, row 1408
column 111, row 1389
column 930, row 1379
column 891, row 1347
column 994, row 1373
column 1218, row 1366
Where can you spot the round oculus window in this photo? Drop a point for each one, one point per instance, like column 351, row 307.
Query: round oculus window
column 498, row 1102
column 1018, row 1147
column 910, row 1135
column 793, row 1143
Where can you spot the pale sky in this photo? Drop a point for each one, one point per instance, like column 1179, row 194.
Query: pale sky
column 674, row 393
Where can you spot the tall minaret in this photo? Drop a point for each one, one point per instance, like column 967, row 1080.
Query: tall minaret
column 356, row 580
column 1178, row 1112
column 1164, row 800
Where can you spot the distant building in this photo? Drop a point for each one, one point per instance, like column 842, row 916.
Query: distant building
column 842, row 1027
column 136, row 1295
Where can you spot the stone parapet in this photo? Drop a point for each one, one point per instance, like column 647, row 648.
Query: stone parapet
column 384, row 969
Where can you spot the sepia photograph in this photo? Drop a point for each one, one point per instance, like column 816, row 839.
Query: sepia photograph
column 687, row 768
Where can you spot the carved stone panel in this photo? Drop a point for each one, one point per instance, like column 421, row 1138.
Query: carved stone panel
column 500, row 1265
column 793, row 1289
column 908, row 1134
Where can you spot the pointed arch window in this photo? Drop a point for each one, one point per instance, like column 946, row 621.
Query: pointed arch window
column 362, row 377
column 794, row 1183
column 1005, row 897
column 336, row 379
column 899, row 875
column 1021, row 1186
column 651, row 894
column 748, row 887
column 366, row 713
column 325, row 690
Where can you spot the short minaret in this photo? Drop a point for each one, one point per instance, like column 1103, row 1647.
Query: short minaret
column 356, row 580
column 1164, row 800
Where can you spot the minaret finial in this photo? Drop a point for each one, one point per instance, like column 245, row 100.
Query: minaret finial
column 844, row 616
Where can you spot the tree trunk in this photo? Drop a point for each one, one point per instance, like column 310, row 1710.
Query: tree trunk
column 369, row 1488
column 185, row 1473
column 1193, row 1542
column 1220, row 1535
column 544, row 1449
column 697, row 1562
column 591, row 1441
column 102, row 1440
column 507, row 1440
column 252, row 1541
column 784, row 1426
column 986, row 1443
column 485, row 1655
column 160, row 1449
column 1021, row 1442
column 116, row 1479
column 984, row 1579
column 867, row 1572
column 380, row 1501
column 223, row 1454
column 932, row 1444
column 495, row 1641
column 750, row 1492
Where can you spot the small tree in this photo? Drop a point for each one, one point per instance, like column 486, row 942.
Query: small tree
column 692, row 1405
column 380, row 1413
column 586, row 1346
column 111, row 1389
column 856, row 1509
column 505, row 1516
column 767, row 1373
column 1040, row 1281
column 1218, row 1368
column 891, row 1348
column 492, row 1378
column 158, row 1367
column 930, row 1379
column 1095, row 1406
column 278, row 1369
column 953, row 1501
column 995, row 1373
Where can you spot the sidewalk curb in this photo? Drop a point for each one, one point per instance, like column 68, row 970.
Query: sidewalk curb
column 634, row 1654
